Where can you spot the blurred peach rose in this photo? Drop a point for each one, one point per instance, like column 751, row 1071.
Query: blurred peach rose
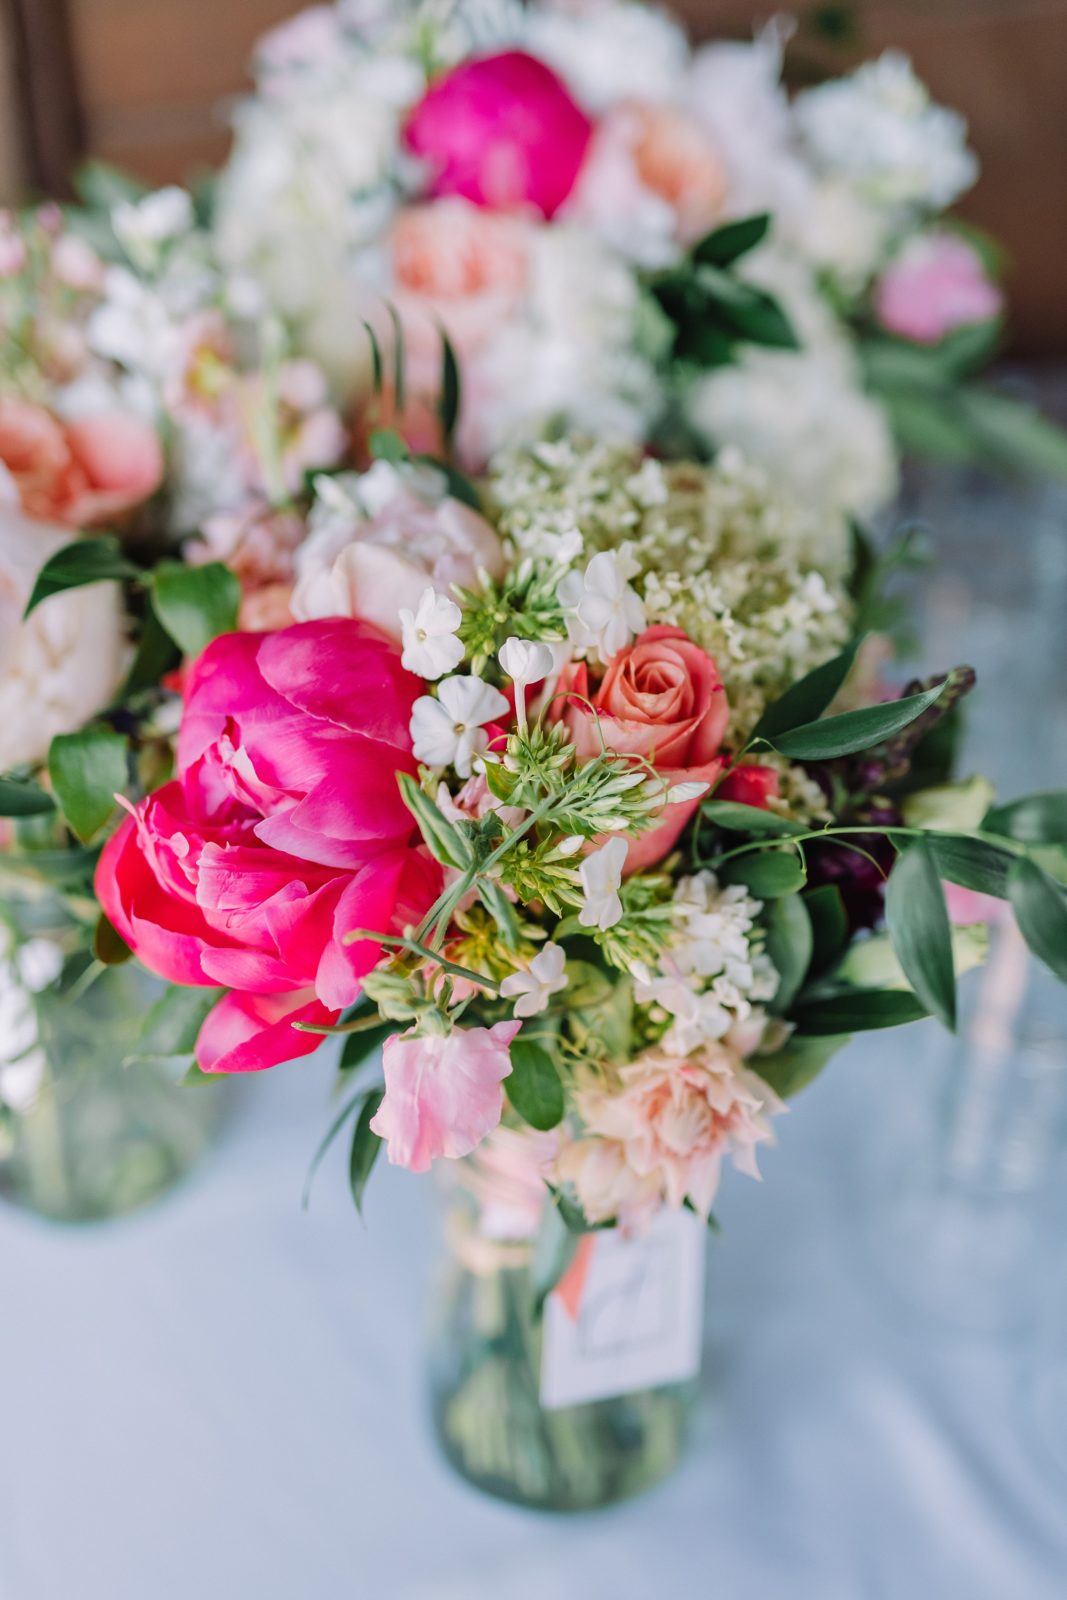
column 650, row 169
column 80, row 472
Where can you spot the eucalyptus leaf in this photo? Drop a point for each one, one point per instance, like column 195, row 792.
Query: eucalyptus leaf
column 790, row 945
column 1033, row 819
column 920, row 930
column 854, row 731
column 1040, row 906
column 766, row 873
column 96, row 559
column 533, row 1085
column 808, row 699
column 797, row 1063
column 87, row 770
column 24, row 799
column 857, row 1011
column 195, row 604
column 366, row 1147
column 738, row 818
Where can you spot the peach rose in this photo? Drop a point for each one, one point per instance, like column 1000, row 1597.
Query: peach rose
column 663, row 699
column 81, row 472
column 652, row 168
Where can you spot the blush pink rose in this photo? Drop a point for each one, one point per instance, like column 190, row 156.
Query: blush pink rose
column 443, row 1095
column 459, row 266
column 502, row 131
column 937, row 284
column 82, row 472
column 661, row 698
column 282, row 831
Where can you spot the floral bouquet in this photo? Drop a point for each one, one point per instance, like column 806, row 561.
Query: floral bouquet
column 623, row 235
column 579, row 795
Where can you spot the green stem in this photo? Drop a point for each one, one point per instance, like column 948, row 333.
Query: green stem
column 777, row 840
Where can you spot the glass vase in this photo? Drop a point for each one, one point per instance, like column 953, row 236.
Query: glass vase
column 485, row 1366
column 83, row 1135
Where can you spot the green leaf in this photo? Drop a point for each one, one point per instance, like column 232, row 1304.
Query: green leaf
column 377, row 365
column 156, row 655
column 920, row 930
column 573, row 1216
column 767, row 874
column 330, row 1135
column 399, row 363
column 809, row 698
column 797, row 1063
column 460, row 486
column 554, row 1249
column 385, row 444
column 738, row 818
column 829, row 925
column 972, row 863
column 97, row 559
column 1040, row 906
column 790, row 945
column 108, row 944
column 174, row 1022
column 450, row 389
column 857, row 1011
column 725, row 245
column 87, row 770
column 443, row 839
column 853, row 731
column 358, row 1046
column 534, row 1086
column 195, row 604
column 1016, row 435
column 23, row 799
column 102, row 186
column 366, row 1146
column 1033, row 819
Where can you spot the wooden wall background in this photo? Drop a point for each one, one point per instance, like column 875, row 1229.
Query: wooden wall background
column 140, row 82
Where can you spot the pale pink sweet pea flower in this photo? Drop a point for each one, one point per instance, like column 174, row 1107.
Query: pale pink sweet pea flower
column 936, row 284
column 502, row 131
column 443, row 1094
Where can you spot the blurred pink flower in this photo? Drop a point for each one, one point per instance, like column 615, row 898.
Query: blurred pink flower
column 502, row 131
column 443, row 1094
column 82, row 472
column 938, row 283
column 652, row 167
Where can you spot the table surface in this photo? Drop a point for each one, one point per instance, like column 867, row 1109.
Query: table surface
column 223, row 1395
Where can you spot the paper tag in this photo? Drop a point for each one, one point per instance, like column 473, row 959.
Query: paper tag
column 638, row 1320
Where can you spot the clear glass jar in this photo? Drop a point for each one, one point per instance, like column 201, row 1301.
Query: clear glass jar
column 83, row 1136
column 485, row 1370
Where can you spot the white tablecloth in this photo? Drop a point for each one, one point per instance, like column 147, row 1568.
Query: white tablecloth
column 222, row 1396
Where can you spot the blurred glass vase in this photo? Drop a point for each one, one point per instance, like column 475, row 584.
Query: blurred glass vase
column 537, row 1398
column 83, row 1135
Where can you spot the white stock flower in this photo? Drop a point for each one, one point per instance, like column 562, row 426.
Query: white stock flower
column 431, row 644
column 450, row 730
column 601, row 875
column 531, row 990
column 604, row 611
column 142, row 225
column 610, row 50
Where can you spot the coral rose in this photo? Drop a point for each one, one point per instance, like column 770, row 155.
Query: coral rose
column 502, row 131
column 81, row 472
column 663, row 699
column 283, row 831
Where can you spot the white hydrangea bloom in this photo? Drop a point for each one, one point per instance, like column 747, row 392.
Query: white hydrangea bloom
column 880, row 129
column 610, row 50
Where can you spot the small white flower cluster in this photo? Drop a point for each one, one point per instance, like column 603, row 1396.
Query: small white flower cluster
column 714, row 975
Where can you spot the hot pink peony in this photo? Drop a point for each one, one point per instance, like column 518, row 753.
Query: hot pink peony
column 283, row 831
column 502, row 131
column 661, row 698
column 442, row 1093
column 937, row 284
column 82, row 472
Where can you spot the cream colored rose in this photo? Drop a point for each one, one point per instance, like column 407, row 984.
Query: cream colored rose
column 62, row 665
